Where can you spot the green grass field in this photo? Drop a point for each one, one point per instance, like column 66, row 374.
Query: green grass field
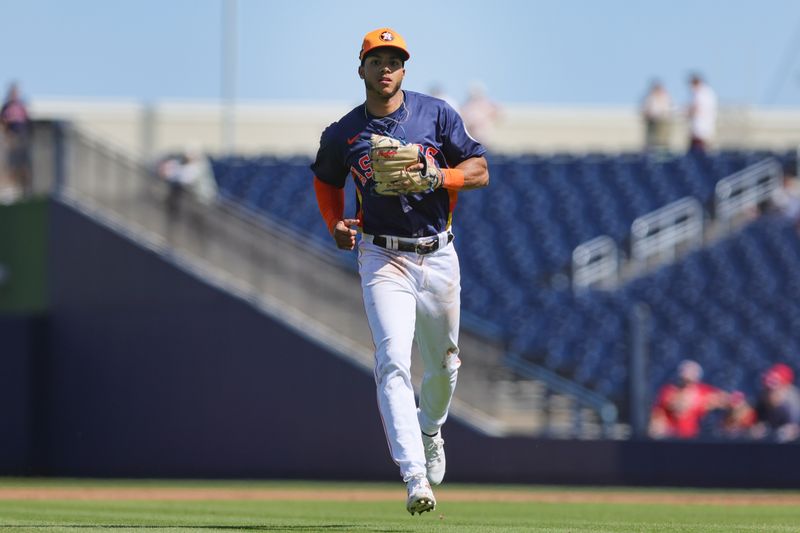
column 71, row 505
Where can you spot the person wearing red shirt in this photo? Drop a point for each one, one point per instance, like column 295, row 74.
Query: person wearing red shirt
column 680, row 407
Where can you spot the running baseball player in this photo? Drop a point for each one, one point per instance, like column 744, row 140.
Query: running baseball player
column 409, row 155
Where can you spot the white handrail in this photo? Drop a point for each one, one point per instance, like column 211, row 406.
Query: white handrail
column 664, row 230
column 595, row 262
column 745, row 190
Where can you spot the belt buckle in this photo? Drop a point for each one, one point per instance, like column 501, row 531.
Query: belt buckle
column 426, row 247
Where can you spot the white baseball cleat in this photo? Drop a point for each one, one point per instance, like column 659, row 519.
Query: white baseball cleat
column 420, row 495
column 434, row 457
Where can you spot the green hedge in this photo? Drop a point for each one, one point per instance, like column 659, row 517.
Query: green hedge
column 23, row 243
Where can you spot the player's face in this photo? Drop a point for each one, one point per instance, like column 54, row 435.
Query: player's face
column 383, row 73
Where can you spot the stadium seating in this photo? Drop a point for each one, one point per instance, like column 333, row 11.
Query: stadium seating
column 553, row 203
column 734, row 307
column 737, row 301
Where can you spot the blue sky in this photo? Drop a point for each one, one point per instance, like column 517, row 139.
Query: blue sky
column 541, row 51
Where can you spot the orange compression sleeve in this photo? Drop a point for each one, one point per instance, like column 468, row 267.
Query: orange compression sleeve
column 330, row 201
column 453, row 178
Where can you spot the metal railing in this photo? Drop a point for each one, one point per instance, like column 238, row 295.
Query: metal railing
column 743, row 192
column 595, row 264
column 659, row 236
column 665, row 234
column 604, row 409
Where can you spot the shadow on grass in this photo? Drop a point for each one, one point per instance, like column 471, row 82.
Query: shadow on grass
column 315, row 527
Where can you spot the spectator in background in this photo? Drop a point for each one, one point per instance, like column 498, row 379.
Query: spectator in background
column 702, row 114
column 479, row 114
column 680, row 406
column 786, row 199
column 778, row 407
column 17, row 135
column 188, row 172
column 656, row 112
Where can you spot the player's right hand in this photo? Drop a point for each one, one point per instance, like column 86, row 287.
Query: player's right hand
column 344, row 234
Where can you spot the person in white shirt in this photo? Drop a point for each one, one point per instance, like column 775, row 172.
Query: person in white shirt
column 656, row 112
column 702, row 114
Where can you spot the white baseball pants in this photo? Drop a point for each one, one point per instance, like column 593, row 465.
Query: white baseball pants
column 409, row 296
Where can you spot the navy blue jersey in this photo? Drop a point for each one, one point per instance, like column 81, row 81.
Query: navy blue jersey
column 423, row 120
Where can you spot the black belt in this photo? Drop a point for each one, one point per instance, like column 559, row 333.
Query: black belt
column 422, row 246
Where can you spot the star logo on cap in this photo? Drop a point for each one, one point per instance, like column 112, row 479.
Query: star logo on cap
column 387, row 36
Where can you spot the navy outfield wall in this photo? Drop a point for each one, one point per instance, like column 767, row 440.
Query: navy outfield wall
column 23, row 329
column 22, row 352
column 154, row 372
column 149, row 371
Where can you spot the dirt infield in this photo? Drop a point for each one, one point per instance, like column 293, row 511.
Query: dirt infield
column 359, row 495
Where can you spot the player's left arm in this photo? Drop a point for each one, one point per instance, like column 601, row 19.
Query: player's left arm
column 476, row 173
column 472, row 171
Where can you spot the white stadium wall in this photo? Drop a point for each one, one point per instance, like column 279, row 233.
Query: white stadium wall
column 149, row 130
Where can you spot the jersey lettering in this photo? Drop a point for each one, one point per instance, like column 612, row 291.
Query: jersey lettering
column 358, row 176
column 366, row 165
column 429, row 151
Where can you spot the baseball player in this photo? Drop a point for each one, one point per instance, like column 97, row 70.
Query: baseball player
column 409, row 156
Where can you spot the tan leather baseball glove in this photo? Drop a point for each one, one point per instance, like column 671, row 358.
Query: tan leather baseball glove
column 391, row 159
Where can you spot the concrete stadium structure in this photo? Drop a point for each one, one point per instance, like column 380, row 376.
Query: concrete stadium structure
column 150, row 129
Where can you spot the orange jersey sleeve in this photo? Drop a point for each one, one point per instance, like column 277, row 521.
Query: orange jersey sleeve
column 330, row 201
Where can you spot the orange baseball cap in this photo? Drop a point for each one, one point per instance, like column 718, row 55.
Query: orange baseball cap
column 381, row 38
